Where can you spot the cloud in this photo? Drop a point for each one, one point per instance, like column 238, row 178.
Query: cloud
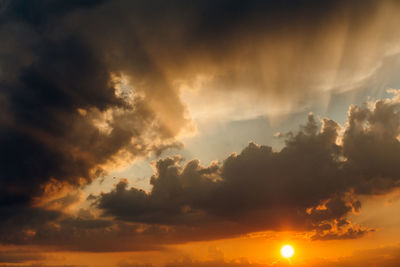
column 85, row 82
column 19, row 256
column 88, row 84
column 311, row 184
column 41, row 265
column 64, row 118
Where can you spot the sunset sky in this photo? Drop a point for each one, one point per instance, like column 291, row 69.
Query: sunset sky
column 209, row 133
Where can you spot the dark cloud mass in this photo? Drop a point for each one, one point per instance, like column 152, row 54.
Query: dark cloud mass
column 19, row 256
column 55, row 89
column 312, row 183
column 87, row 84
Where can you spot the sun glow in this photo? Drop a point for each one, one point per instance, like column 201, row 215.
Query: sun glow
column 287, row 251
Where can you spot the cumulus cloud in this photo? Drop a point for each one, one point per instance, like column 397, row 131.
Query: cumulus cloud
column 311, row 184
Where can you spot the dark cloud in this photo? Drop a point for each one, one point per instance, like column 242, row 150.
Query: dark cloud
column 81, row 232
column 311, row 184
column 40, row 265
column 274, row 187
column 56, row 91
column 19, row 256
column 263, row 49
column 370, row 145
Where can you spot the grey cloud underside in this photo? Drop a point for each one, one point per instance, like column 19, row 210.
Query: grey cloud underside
column 19, row 256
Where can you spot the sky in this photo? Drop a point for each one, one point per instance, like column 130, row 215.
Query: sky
column 151, row 133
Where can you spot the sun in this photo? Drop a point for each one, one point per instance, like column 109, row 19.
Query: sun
column 287, row 251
